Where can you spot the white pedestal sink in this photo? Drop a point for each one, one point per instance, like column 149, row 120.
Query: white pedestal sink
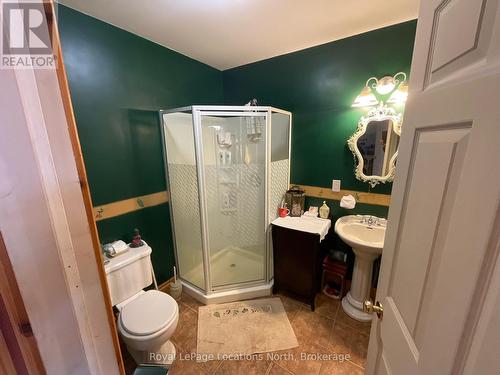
column 365, row 234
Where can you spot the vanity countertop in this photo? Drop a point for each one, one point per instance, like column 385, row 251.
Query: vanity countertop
column 305, row 224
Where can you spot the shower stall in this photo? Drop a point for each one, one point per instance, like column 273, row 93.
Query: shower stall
column 227, row 170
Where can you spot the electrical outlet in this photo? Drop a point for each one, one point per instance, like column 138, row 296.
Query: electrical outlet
column 336, row 185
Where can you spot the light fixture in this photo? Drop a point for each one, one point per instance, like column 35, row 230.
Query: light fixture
column 395, row 85
column 365, row 98
column 399, row 96
column 385, row 85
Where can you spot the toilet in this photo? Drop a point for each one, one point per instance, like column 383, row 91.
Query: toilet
column 146, row 319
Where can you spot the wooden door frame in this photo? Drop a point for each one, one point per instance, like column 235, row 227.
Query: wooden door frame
column 50, row 15
column 18, row 343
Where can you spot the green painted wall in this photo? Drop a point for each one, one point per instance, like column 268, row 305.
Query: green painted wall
column 155, row 229
column 319, row 85
column 118, row 82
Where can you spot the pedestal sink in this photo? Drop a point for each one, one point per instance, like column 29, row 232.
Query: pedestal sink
column 365, row 234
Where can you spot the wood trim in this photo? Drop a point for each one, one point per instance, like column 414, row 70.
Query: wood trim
column 361, row 196
column 6, row 363
column 20, row 347
column 82, row 173
column 110, row 210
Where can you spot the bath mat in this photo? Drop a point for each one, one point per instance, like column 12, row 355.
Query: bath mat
column 243, row 328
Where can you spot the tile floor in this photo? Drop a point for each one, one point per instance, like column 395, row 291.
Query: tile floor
column 327, row 330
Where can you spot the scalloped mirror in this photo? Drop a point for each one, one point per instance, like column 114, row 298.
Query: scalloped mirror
column 375, row 145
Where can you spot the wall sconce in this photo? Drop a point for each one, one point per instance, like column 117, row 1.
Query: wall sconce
column 399, row 96
column 365, row 98
column 397, row 85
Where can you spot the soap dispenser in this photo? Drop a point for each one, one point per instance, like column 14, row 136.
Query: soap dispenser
column 324, row 211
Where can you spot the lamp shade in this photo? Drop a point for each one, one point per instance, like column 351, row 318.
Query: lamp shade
column 400, row 95
column 385, row 85
column 365, row 98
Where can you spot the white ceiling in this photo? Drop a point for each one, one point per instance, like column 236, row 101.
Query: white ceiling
column 229, row 33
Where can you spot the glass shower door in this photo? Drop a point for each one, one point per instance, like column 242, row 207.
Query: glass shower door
column 179, row 145
column 234, row 153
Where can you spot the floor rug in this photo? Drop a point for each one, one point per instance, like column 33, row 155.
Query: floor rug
column 244, row 328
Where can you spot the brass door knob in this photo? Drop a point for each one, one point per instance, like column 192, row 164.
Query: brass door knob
column 370, row 308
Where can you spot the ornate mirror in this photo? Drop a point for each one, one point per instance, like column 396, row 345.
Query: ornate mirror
column 375, row 145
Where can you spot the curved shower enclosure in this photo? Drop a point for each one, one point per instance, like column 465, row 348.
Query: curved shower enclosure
column 227, row 170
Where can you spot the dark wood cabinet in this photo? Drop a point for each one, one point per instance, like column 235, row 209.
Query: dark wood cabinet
column 297, row 263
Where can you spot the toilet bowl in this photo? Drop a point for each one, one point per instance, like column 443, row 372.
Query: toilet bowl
column 146, row 319
column 145, row 323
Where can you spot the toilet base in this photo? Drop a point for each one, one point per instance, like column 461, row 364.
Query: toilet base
column 162, row 356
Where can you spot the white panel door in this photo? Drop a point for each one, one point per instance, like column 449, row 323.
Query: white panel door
column 440, row 276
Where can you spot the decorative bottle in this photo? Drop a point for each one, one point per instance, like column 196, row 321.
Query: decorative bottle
column 324, row 211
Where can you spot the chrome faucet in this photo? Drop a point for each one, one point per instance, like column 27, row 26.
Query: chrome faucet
column 372, row 220
column 369, row 220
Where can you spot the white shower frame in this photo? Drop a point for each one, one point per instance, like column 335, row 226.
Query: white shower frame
column 242, row 290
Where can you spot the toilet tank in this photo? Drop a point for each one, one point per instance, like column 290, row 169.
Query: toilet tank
column 129, row 273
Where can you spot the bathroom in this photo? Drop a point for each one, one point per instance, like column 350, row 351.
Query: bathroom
column 192, row 148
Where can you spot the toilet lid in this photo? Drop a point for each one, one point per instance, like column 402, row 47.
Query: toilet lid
column 148, row 313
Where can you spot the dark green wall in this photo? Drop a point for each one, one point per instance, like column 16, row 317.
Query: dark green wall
column 118, row 82
column 319, row 85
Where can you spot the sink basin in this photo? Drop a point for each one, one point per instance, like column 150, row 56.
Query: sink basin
column 365, row 234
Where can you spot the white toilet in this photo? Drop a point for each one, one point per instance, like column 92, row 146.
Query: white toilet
column 147, row 319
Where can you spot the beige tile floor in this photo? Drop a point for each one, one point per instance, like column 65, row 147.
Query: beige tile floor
column 327, row 330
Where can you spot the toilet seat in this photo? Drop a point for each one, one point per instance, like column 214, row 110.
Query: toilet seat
column 149, row 313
